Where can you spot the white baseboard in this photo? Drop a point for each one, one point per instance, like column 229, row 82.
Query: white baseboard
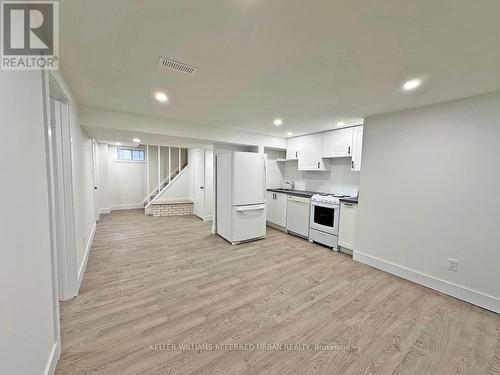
column 83, row 267
column 104, row 211
column 55, row 353
column 126, row 207
column 469, row 295
column 208, row 218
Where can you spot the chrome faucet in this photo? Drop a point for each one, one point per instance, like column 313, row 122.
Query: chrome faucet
column 291, row 183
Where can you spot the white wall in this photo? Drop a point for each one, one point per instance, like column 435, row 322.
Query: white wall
column 430, row 191
column 127, row 182
column 338, row 179
column 83, row 183
column 28, row 330
column 274, row 169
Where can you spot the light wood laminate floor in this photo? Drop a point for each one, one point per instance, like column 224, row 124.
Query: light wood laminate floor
column 155, row 283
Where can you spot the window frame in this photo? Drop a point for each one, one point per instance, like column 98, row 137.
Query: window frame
column 132, row 160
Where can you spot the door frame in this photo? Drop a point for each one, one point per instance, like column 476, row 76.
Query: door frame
column 197, row 161
column 95, row 175
column 61, row 192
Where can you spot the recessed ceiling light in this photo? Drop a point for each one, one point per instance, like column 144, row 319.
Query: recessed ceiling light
column 412, row 84
column 341, row 123
column 289, row 133
column 161, row 97
column 136, row 140
column 118, row 144
column 278, row 122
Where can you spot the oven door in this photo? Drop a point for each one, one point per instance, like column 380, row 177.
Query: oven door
column 325, row 217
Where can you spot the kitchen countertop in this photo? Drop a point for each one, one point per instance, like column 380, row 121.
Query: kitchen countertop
column 349, row 200
column 298, row 193
column 309, row 194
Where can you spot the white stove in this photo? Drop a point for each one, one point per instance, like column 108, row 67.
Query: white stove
column 328, row 198
column 324, row 219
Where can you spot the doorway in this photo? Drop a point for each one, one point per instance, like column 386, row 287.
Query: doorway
column 199, row 183
column 95, row 175
column 61, row 192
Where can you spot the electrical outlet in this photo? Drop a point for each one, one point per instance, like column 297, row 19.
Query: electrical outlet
column 453, row 264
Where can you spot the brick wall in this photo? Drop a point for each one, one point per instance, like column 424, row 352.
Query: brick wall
column 171, row 209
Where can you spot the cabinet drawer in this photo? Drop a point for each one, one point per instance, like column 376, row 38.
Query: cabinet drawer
column 323, row 238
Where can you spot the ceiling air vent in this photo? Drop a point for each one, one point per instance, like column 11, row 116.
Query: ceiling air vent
column 174, row 65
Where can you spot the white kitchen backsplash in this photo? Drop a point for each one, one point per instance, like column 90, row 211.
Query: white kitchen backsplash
column 339, row 179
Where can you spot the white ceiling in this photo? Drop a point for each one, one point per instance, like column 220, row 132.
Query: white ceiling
column 312, row 63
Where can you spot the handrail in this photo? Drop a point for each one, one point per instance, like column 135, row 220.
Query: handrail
column 167, row 185
column 160, row 187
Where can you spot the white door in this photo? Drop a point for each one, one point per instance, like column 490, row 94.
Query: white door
column 292, row 148
column 249, row 178
column 357, row 148
column 337, row 143
column 270, row 206
column 95, row 175
column 199, row 184
column 310, row 153
column 280, row 203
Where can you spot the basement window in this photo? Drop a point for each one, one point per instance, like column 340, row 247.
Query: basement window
column 128, row 154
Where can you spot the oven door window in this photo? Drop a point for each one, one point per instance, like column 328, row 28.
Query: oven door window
column 324, row 216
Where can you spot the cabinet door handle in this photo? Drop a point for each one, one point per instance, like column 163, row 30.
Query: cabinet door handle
column 296, row 154
column 318, row 164
column 352, row 164
column 349, row 150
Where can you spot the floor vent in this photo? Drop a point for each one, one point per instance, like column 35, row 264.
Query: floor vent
column 174, row 65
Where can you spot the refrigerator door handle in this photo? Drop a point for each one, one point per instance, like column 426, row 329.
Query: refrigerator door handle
column 251, row 208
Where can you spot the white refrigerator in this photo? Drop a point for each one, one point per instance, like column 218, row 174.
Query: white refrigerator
column 241, row 196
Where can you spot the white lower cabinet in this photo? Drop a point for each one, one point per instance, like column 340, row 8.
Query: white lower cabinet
column 280, row 209
column 346, row 225
column 276, row 208
column 270, row 206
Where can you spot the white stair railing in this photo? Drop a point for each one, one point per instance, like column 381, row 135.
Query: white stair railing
column 161, row 186
column 181, row 164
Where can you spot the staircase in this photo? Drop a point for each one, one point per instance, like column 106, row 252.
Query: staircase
column 154, row 194
column 159, row 189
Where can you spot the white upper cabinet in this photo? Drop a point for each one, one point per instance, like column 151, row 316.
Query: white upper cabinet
column 292, row 148
column 357, row 147
column 310, row 153
column 338, row 143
